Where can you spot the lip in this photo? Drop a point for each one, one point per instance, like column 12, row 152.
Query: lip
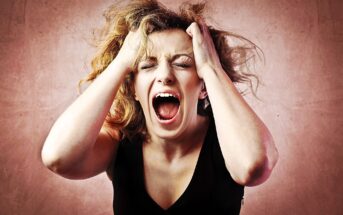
column 177, row 115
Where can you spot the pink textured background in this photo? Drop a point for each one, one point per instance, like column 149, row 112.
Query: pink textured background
column 44, row 52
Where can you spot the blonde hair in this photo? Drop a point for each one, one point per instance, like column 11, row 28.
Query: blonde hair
column 126, row 114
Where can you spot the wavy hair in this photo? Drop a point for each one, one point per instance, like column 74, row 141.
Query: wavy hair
column 126, row 114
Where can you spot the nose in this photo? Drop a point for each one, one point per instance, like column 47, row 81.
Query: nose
column 164, row 74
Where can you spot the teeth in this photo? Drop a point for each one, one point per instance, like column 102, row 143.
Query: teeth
column 164, row 95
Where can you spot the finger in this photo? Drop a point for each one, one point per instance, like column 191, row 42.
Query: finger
column 189, row 31
column 194, row 31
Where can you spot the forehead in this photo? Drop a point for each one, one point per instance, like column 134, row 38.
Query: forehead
column 169, row 42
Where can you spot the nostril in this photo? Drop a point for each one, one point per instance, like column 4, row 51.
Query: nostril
column 165, row 81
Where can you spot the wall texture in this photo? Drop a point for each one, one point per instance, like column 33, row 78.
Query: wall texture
column 44, row 51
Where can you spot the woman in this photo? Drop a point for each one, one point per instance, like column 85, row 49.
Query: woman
column 169, row 144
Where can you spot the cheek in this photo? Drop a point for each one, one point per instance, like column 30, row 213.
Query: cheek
column 141, row 88
column 192, row 82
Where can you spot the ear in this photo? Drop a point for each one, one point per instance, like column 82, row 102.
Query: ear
column 134, row 93
column 203, row 92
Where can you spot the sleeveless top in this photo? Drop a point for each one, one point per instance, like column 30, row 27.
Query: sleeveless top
column 210, row 191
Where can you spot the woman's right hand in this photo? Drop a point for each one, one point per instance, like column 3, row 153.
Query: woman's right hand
column 130, row 49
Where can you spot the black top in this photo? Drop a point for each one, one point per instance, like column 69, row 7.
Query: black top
column 210, row 191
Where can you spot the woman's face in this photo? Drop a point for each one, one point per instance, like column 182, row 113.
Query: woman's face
column 167, row 85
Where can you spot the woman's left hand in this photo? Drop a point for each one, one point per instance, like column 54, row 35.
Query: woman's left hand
column 205, row 54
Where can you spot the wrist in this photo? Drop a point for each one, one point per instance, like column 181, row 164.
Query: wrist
column 210, row 74
column 206, row 71
column 120, row 66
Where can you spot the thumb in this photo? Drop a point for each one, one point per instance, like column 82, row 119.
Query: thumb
column 194, row 31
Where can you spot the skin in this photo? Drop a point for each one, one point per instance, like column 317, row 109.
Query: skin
column 80, row 146
column 170, row 69
column 171, row 153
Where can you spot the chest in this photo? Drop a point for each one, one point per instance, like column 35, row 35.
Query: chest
column 201, row 185
column 165, row 182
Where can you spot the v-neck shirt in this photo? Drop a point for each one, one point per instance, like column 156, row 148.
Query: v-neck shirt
column 211, row 189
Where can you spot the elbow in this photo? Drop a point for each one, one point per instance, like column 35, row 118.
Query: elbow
column 253, row 174
column 259, row 171
column 262, row 166
column 61, row 165
column 55, row 162
column 51, row 160
column 257, row 166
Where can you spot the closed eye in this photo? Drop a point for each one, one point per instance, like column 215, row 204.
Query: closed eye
column 147, row 63
column 183, row 65
column 147, row 66
column 183, row 61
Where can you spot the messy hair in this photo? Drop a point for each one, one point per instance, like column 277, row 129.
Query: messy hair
column 150, row 16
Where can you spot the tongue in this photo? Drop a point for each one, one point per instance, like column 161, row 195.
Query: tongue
column 167, row 110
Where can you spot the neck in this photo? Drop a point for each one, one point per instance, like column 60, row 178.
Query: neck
column 172, row 149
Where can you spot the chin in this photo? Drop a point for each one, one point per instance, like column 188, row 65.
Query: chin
column 166, row 134
column 171, row 132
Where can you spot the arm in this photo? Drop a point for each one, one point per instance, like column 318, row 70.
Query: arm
column 79, row 145
column 246, row 143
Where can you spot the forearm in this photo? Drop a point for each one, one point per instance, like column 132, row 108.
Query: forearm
column 73, row 135
column 246, row 143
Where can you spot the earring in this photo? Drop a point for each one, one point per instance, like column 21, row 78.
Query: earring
column 203, row 92
column 206, row 103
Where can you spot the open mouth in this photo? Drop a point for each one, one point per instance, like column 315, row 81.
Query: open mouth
column 166, row 105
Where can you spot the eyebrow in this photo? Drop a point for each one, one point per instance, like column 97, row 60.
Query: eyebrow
column 147, row 58
column 189, row 55
column 174, row 57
